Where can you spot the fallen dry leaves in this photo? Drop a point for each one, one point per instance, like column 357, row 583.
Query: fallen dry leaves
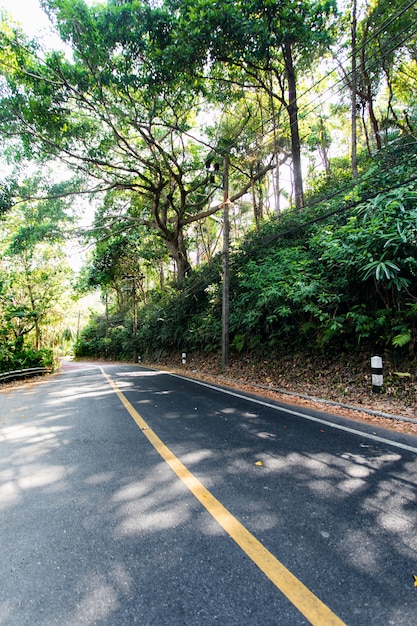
column 348, row 384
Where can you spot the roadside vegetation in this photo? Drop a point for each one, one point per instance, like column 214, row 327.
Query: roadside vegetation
column 293, row 124
column 340, row 277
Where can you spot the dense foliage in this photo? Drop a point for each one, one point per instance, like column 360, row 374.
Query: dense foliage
column 342, row 276
column 295, row 119
column 34, row 280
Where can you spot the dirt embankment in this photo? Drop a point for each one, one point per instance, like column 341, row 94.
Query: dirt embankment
column 290, row 379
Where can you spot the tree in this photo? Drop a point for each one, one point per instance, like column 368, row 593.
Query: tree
column 392, row 26
column 111, row 116
column 131, row 252
column 258, row 44
column 7, row 190
column 34, row 274
column 382, row 41
column 33, row 284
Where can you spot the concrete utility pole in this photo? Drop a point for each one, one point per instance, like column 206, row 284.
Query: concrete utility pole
column 226, row 265
column 135, row 311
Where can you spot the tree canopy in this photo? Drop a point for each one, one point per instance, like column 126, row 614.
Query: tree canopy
column 147, row 104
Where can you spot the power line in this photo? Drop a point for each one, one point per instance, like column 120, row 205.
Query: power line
column 372, row 62
column 381, row 29
column 396, row 42
column 347, row 207
column 264, row 241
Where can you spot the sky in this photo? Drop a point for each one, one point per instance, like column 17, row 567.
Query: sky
column 33, row 20
column 29, row 14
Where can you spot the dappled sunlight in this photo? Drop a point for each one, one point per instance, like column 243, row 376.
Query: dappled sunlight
column 228, row 411
column 145, row 401
column 138, row 374
column 211, row 528
column 27, row 469
column 266, row 435
column 391, row 521
column 364, row 558
column 318, row 464
column 352, row 485
column 359, row 471
column 76, row 501
column 307, row 469
column 32, row 442
column 6, row 612
column 9, row 494
column 36, row 476
column 324, row 488
column 116, row 512
column 376, row 461
column 100, row 479
column 98, row 600
column 125, row 385
column 355, row 480
column 139, row 519
column 326, row 473
column 150, row 505
column 132, row 491
column 77, row 392
column 192, row 458
column 263, row 522
column 395, row 512
column 31, row 434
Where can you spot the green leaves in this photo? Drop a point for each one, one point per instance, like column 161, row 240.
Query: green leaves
column 7, row 191
column 381, row 269
column 402, row 339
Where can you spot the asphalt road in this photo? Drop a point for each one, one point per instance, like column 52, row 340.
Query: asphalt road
column 131, row 496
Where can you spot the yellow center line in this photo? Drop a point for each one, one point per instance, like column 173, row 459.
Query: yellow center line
column 297, row 593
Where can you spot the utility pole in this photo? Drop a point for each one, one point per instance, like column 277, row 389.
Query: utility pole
column 135, row 312
column 226, row 265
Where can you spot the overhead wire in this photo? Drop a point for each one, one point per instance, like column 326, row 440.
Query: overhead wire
column 395, row 42
column 381, row 29
column 371, row 63
column 260, row 242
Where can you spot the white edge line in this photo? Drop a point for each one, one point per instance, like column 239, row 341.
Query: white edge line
column 352, row 431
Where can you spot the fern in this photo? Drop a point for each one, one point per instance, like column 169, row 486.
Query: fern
column 402, row 339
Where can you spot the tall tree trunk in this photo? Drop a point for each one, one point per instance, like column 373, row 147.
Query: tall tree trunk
column 365, row 130
column 367, row 90
column 178, row 251
column 324, row 149
column 353, row 111
column 276, row 180
column 292, row 108
column 374, row 121
column 36, row 319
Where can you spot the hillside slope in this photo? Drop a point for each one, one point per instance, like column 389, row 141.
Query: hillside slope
column 289, row 380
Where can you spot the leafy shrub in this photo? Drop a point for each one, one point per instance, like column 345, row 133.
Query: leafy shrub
column 25, row 358
column 341, row 274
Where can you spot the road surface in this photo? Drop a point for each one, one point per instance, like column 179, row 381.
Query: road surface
column 132, row 496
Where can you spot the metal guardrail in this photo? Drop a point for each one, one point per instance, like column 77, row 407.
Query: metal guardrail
column 27, row 373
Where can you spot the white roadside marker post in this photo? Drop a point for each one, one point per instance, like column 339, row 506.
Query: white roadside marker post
column 377, row 375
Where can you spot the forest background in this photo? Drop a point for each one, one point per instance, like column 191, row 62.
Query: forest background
column 269, row 143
